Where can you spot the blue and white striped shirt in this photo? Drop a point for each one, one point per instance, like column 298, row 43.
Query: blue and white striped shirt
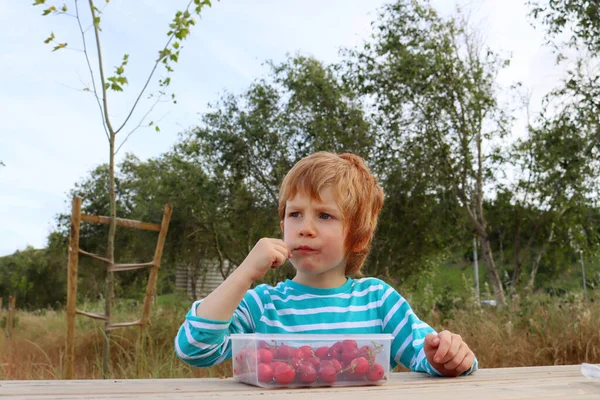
column 361, row 306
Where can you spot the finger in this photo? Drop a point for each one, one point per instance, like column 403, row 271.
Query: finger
column 279, row 259
column 466, row 363
column 455, row 343
column 431, row 343
column 282, row 247
column 458, row 357
column 445, row 343
column 279, row 242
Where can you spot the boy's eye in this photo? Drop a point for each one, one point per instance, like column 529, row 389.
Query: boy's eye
column 326, row 216
column 294, row 214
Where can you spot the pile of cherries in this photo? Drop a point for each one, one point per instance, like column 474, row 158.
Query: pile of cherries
column 305, row 365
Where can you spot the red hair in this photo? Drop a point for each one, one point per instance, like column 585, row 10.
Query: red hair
column 358, row 194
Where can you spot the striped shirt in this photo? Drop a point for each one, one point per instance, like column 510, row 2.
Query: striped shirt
column 361, row 306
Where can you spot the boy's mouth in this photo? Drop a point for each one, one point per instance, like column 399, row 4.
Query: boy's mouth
column 304, row 249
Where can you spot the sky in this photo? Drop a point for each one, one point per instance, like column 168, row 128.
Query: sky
column 51, row 135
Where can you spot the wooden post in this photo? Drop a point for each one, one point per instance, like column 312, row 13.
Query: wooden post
column 150, row 288
column 11, row 313
column 72, row 284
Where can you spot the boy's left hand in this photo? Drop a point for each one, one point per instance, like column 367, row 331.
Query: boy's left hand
column 447, row 353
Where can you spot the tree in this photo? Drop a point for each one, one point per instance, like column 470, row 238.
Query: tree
column 256, row 137
column 580, row 20
column 571, row 137
column 36, row 277
column 433, row 93
column 559, row 182
column 579, row 17
column 167, row 57
column 204, row 225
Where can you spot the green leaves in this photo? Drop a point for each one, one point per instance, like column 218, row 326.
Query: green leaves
column 49, row 10
column 50, row 38
column 59, row 46
column 579, row 17
column 117, row 82
column 200, row 4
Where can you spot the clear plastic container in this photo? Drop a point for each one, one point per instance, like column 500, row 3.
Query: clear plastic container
column 306, row 360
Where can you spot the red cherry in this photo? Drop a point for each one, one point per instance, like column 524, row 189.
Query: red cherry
column 315, row 361
column 367, row 352
column 265, row 356
column 349, row 354
column 350, row 343
column 322, row 352
column 353, row 376
column 327, row 374
column 241, row 355
column 264, row 372
column 307, row 373
column 275, row 364
column 359, row 365
column 263, row 345
column 284, row 352
column 337, row 365
column 335, row 351
column 284, row 374
column 295, row 363
column 297, row 353
column 375, row 372
column 307, row 352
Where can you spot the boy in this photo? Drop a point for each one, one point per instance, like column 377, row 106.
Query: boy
column 328, row 209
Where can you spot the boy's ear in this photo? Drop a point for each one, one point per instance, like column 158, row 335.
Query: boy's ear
column 281, row 226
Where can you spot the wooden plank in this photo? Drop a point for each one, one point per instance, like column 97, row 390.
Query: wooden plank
column 92, row 315
column 128, row 267
column 73, row 262
column 11, row 315
column 96, row 256
column 124, row 223
column 554, row 382
column 123, row 325
column 151, row 286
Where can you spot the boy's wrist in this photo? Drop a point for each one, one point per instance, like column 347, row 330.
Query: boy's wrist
column 245, row 274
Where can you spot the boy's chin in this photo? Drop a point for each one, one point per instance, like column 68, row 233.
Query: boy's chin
column 307, row 268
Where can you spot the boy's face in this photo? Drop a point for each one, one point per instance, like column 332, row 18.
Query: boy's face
column 315, row 235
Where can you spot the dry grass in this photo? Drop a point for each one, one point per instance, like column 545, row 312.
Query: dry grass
column 539, row 332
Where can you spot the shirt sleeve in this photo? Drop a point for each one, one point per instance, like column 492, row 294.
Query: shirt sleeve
column 408, row 333
column 202, row 342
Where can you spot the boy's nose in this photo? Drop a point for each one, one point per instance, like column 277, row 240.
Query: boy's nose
column 307, row 229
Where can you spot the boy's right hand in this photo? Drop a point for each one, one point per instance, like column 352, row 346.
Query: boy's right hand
column 267, row 253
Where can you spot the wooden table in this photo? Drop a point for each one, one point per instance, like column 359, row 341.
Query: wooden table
column 558, row 382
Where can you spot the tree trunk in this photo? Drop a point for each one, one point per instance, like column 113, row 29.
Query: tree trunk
column 484, row 238
column 110, row 255
column 493, row 275
column 191, row 275
column 530, row 283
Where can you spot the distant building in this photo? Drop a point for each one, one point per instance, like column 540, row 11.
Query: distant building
column 208, row 278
